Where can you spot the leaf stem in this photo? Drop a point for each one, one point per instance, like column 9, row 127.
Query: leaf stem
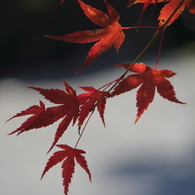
column 80, row 135
column 133, row 27
column 159, row 50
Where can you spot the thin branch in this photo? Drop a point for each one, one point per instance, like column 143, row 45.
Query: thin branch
column 158, row 32
column 80, row 135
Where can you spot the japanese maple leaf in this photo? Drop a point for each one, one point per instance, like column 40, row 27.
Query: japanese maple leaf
column 149, row 79
column 167, row 10
column 88, row 100
column 68, row 110
column 110, row 34
column 34, row 110
column 146, row 4
column 68, row 155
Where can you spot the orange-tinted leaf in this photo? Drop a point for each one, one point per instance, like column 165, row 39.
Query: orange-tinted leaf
column 111, row 34
column 69, row 155
column 96, row 16
column 33, row 110
column 167, row 10
column 81, row 36
column 149, row 79
column 88, row 100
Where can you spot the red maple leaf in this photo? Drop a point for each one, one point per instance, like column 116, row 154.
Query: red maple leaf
column 88, row 100
column 69, row 155
column 110, row 34
column 68, row 108
column 167, row 10
column 146, row 4
column 149, row 79
column 34, row 110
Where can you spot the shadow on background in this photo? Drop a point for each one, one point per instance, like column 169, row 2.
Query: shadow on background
column 161, row 178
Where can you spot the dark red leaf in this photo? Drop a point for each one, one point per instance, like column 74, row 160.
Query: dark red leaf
column 88, row 100
column 68, row 110
column 149, row 79
column 69, row 155
column 33, row 110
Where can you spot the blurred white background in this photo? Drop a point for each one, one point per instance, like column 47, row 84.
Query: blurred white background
column 154, row 157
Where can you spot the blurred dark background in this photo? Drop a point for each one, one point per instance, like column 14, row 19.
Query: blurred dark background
column 27, row 54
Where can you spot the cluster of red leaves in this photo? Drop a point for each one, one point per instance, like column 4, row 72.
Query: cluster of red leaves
column 72, row 108
column 111, row 33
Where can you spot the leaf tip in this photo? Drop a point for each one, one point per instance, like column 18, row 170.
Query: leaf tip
column 130, row 3
column 136, row 120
